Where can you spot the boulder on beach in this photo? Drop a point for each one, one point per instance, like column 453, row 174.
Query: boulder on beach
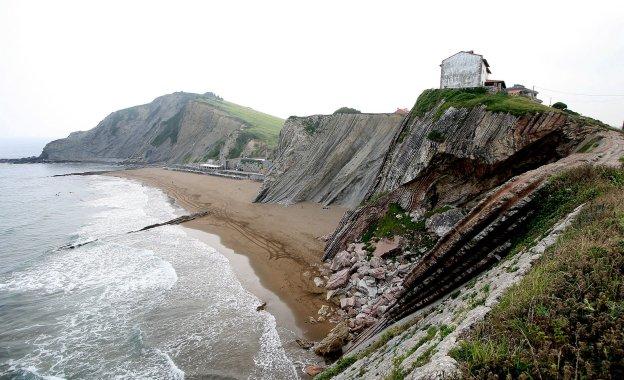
column 338, row 279
column 334, row 341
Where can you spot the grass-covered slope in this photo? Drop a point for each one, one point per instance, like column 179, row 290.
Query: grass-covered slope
column 471, row 97
column 262, row 126
column 493, row 102
column 565, row 319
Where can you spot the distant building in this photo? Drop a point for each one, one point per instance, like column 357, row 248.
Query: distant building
column 464, row 69
column 520, row 90
column 401, row 111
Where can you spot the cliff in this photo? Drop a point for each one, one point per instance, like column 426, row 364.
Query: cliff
column 329, row 158
column 175, row 128
column 466, row 182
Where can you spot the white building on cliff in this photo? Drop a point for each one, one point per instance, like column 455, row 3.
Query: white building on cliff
column 464, row 69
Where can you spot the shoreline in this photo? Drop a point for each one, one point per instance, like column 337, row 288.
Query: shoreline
column 279, row 244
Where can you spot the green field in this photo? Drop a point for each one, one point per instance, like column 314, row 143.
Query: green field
column 261, row 125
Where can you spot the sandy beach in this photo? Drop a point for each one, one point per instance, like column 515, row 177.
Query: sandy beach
column 281, row 243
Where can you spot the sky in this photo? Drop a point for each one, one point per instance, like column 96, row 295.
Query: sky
column 65, row 65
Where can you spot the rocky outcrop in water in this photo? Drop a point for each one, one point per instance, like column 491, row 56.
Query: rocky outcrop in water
column 175, row 128
column 330, row 159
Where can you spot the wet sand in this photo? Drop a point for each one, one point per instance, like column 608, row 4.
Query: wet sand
column 280, row 243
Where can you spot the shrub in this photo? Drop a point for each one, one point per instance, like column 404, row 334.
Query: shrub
column 395, row 222
column 436, row 136
column 170, row 130
column 346, row 110
column 560, row 106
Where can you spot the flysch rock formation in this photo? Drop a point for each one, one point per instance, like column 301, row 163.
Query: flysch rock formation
column 329, row 158
column 477, row 151
column 174, row 128
column 421, row 349
column 464, row 192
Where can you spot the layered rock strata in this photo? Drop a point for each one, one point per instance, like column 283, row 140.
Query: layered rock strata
column 329, row 159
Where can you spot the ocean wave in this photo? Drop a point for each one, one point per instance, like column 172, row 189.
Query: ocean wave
column 152, row 304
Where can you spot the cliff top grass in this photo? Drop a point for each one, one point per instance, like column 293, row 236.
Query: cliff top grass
column 472, row 97
column 262, row 126
column 565, row 318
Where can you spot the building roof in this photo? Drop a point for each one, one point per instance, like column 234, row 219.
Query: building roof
column 487, row 65
column 519, row 87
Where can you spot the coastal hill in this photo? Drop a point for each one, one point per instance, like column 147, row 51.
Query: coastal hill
column 174, row 128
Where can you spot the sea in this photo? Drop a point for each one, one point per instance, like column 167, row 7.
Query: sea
column 83, row 295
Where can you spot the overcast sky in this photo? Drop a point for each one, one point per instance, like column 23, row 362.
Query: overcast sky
column 65, row 65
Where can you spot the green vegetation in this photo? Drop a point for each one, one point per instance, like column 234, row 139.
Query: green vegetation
column 436, row 136
column 437, row 210
column 170, row 130
column 424, row 358
column 310, row 125
column 261, row 125
column 445, row 330
column 561, row 196
column 375, row 198
column 560, row 106
column 565, row 318
column 590, row 145
column 395, row 222
column 346, row 110
column 241, row 140
column 344, row 362
column 471, row 97
column 431, row 332
column 214, row 150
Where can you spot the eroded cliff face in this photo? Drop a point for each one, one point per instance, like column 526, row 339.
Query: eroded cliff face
column 329, row 158
column 455, row 159
column 454, row 190
column 175, row 128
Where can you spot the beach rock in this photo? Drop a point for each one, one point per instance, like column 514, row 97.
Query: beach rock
column 442, row 223
column 318, row 282
column 342, row 260
column 324, row 237
column 338, row 279
column 386, row 247
column 378, row 273
column 347, row 302
column 334, row 341
column 403, row 268
column 324, row 311
column 262, row 306
column 304, row 343
column 363, row 270
column 375, row 262
column 313, row 369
